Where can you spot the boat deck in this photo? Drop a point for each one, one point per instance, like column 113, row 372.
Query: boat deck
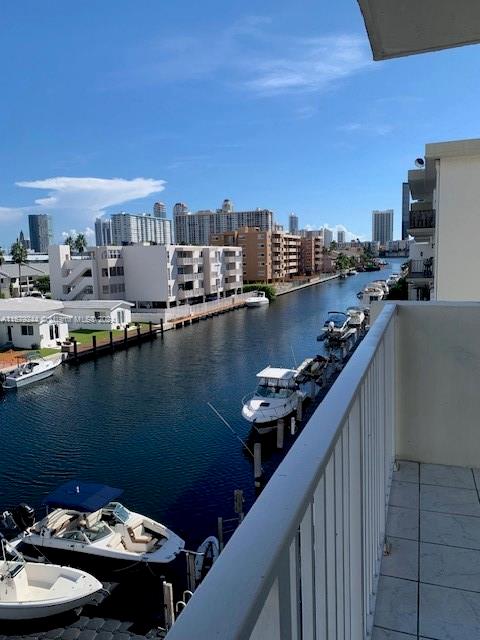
column 430, row 582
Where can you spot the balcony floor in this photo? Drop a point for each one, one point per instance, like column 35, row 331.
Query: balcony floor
column 430, row 582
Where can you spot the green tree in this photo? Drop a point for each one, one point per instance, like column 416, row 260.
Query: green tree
column 43, row 284
column 70, row 240
column 333, row 245
column 19, row 255
column 80, row 243
column 342, row 262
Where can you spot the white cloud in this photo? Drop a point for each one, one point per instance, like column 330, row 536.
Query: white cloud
column 78, row 201
column 375, row 129
column 311, row 64
column 249, row 55
column 349, row 235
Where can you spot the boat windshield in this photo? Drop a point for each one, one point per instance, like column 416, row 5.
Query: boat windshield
column 98, row 531
column 121, row 513
column 338, row 319
column 273, row 392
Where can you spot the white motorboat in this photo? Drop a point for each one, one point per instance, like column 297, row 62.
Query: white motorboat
column 87, row 522
column 336, row 324
column 382, row 284
column 393, row 279
column 30, row 590
column 356, row 317
column 258, row 300
column 276, row 396
column 372, row 293
column 30, row 371
column 352, row 272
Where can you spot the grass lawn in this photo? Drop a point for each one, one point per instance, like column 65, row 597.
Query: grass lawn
column 47, row 352
column 84, row 336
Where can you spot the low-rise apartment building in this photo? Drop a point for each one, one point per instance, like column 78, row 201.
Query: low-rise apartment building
column 311, row 256
column 150, row 276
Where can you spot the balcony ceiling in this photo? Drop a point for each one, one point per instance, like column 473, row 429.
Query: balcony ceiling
column 404, row 27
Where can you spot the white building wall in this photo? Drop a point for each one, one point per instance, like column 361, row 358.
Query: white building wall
column 457, row 205
column 146, row 272
column 40, row 338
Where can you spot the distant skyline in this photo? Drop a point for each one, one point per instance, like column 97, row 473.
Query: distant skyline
column 281, row 108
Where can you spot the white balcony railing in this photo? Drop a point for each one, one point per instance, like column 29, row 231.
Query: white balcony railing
column 304, row 563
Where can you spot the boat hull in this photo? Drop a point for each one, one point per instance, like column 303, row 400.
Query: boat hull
column 34, row 611
column 23, row 382
column 263, row 302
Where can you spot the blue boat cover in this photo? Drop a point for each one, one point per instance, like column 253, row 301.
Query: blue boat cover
column 82, row 496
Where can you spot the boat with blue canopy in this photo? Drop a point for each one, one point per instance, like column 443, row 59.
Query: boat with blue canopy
column 85, row 520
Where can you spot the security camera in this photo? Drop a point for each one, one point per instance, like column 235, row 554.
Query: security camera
column 420, row 163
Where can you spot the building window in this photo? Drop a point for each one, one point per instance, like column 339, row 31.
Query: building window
column 104, row 273
column 105, row 288
column 27, row 330
column 51, row 331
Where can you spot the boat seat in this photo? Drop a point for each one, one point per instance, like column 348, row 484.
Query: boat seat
column 138, row 534
column 93, row 518
column 116, row 541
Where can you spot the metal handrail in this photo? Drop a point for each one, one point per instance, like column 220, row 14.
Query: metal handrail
column 260, row 549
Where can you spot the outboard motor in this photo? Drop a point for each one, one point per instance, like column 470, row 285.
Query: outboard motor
column 24, row 516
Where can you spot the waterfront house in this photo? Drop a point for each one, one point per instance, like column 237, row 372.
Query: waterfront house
column 98, row 314
column 32, row 323
column 370, row 527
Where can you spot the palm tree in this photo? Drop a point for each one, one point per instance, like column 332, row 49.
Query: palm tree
column 19, row 255
column 80, row 243
column 70, row 240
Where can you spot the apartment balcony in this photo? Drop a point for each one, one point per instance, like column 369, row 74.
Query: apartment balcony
column 342, row 543
column 422, row 224
column 420, row 269
column 184, row 294
column 189, row 261
column 188, row 277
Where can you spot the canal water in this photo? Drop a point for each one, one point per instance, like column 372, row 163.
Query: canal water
column 139, row 419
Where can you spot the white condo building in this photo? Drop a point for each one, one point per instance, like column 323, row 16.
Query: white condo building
column 196, row 228
column 382, row 226
column 150, row 276
column 128, row 228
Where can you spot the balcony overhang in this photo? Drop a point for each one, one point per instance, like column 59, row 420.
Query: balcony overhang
column 409, row 27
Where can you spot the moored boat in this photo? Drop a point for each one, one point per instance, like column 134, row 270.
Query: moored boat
column 30, row 590
column 85, row 522
column 258, row 300
column 31, row 371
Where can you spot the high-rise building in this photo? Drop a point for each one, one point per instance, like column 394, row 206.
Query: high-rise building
column 25, row 242
column 128, row 228
column 405, row 210
column 382, row 226
column 103, row 232
column 41, row 232
column 293, row 223
column 196, row 228
column 340, row 236
column 327, row 237
column 159, row 210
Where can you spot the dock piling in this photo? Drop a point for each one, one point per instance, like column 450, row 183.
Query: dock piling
column 293, row 426
column 257, row 463
column 75, row 349
column 125, row 336
column 299, row 411
column 111, row 341
column 220, row 532
column 161, row 327
column 168, row 605
column 94, row 344
column 280, row 433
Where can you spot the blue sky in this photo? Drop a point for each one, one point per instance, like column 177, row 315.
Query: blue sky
column 111, row 105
